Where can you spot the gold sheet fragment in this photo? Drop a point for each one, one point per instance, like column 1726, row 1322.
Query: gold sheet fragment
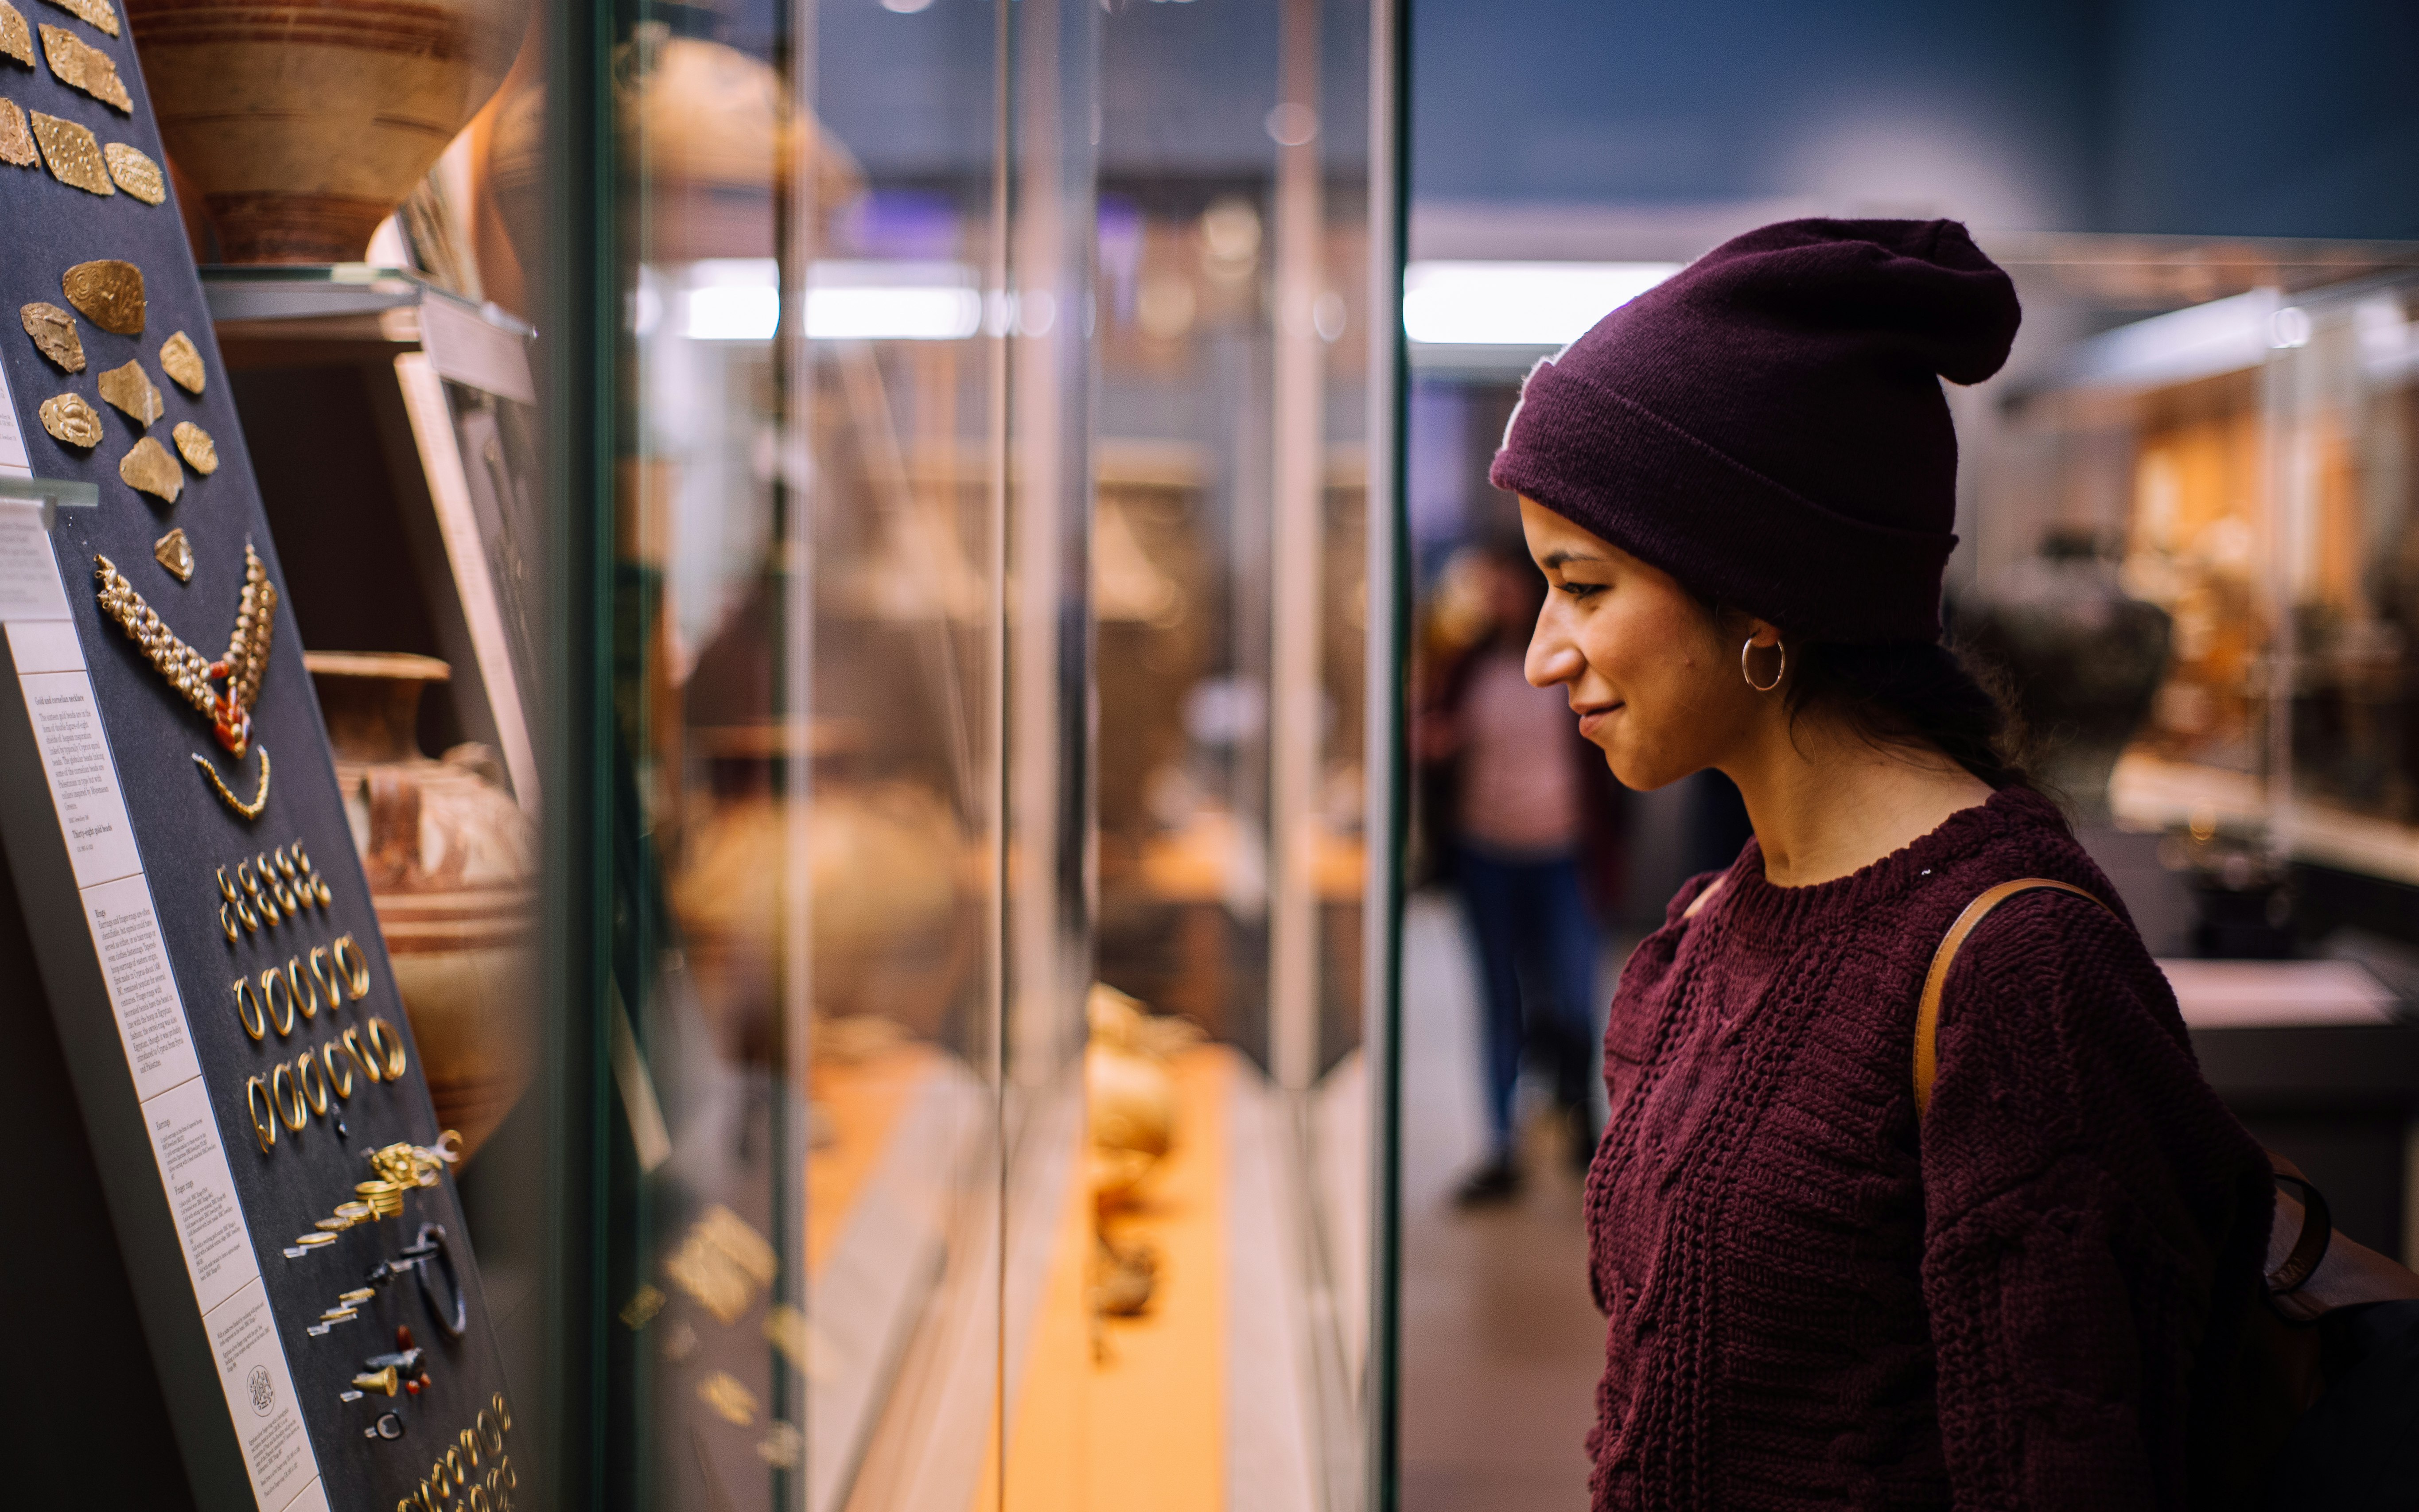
column 78, row 65
column 70, row 420
column 16, row 142
column 73, row 154
column 109, row 292
column 182, row 361
column 175, row 554
column 130, row 391
column 55, row 336
column 92, row 12
column 16, row 41
column 149, row 467
column 195, row 445
column 135, row 174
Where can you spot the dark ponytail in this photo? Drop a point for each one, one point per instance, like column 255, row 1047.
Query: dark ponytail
column 1916, row 694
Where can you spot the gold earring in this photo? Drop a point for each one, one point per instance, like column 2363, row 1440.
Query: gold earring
column 306, row 994
column 226, row 922
column 332, row 983
column 284, row 863
column 255, row 1102
column 351, row 1040
column 1778, row 674
column 270, row 980
column 357, row 975
column 387, row 1045
column 339, row 1074
column 226, row 888
column 305, row 1066
column 254, row 1023
column 281, row 1083
column 243, row 875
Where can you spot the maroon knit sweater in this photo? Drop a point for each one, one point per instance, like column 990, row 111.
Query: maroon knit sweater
column 1809, row 1306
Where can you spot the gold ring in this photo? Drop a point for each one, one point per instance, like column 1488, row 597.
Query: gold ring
column 453, row 1466
column 357, row 975
column 253, row 1024
column 503, row 1413
column 302, row 856
column 440, row 1482
column 330, row 984
column 270, row 912
column 270, row 980
column 226, row 922
column 339, row 1074
column 283, row 1076
column 255, row 1102
column 351, row 1040
column 306, row 994
column 304, row 1065
column 319, row 889
column 243, row 912
column 284, row 863
column 494, row 1436
column 477, row 1500
column 226, row 888
column 251, row 884
column 388, row 1046
column 470, row 1448
column 284, row 896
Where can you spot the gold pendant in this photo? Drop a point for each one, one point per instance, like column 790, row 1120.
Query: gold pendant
column 222, row 691
column 74, row 156
column 175, row 554
column 218, row 783
column 55, row 336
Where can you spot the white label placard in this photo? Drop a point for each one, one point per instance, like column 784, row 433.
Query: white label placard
column 84, row 780
column 29, row 573
column 314, row 1498
column 142, row 988
column 44, row 646
column 13, row 462
column 260, row 1396
column 201, row 1193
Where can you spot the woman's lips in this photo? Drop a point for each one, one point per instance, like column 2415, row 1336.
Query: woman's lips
column 1591, row 721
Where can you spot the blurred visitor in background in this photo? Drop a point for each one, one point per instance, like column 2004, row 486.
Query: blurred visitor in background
column 1521, row 807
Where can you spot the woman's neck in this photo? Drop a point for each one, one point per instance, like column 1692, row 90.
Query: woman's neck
column 1827, row 803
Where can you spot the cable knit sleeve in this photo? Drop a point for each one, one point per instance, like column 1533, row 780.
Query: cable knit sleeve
column 2091, row 1207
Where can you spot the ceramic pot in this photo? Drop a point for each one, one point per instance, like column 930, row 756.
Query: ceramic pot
column 452, row 866
column 305, row 122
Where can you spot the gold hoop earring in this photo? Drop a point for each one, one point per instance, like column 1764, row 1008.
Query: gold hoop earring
column 351, row 1040
column 1782, row 670
column 306, row 991
column 270, row 980
column 226, row 922
column 255, row 1022
column 339, row 1074
column 255, row 1102
column 306, row 1065
column 281, row 1083
column 324, row 978
column 243, row 911
column 357, row 975
column 387, row 1045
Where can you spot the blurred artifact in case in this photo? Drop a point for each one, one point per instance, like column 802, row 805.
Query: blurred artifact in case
column 452, row 862
column 304, row 125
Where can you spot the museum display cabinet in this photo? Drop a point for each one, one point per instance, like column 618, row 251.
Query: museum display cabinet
column 815, row 576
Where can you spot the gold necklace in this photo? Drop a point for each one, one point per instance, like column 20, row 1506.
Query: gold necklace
column 222, row 691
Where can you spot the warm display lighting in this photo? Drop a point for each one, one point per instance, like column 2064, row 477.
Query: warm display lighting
column 1518, row 304
column 739, row 299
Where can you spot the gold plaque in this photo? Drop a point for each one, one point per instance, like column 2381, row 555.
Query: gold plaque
column 15, row 40
column 135, row 174
column 16, row 142
column 72, row 420
column 109, row 292
column 55, row 336
column 82, row 66
column 73, row 154
column 149, row 467
column 195, row 445
column 92, row 12
column 182, row 361
column 174, row 552
column 130, row 391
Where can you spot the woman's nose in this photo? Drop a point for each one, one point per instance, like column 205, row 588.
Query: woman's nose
column 1550, row 659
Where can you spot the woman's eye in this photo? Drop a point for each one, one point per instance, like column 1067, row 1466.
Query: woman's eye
column 1582, row 589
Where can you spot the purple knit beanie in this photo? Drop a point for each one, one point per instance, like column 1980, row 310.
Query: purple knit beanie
column 1767, row 425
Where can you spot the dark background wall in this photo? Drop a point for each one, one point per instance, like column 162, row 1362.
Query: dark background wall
column 2191, row 117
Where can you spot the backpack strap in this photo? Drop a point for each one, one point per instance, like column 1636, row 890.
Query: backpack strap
column 1927, row 1012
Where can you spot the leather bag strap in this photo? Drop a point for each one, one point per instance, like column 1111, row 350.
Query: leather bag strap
column 1927, row 1012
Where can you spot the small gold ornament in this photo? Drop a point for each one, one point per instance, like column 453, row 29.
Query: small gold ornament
column 132, row 393
column 151, row 468
column 71, row 421
column 55, row 336
column 134, row 172
column 16, row 142
column 195, row 445
column 16, row 41
column 108, row 292
column 228, row 706
column 217, row 785
column 175, row 554
column 73, row 154
column 78, row 65
column 92, row 12
column 182, row 362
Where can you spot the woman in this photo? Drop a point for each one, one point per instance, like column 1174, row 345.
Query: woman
column 1740, row 486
